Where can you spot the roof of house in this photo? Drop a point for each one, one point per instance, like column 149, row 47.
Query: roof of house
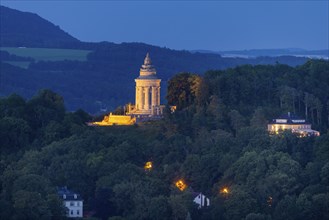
column 68, row 195
column 289, row 118
column 196, row 194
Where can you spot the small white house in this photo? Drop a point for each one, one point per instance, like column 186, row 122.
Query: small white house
column 72, row 201
column 201, row 200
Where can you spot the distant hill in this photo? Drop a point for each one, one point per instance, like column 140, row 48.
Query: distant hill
column 105, row 79
column 25, row 29
column 319, row 54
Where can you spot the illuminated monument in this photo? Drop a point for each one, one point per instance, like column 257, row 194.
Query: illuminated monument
column 147, row 99
column 147, row 102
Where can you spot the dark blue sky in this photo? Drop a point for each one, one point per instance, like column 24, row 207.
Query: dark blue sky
column 211, row 25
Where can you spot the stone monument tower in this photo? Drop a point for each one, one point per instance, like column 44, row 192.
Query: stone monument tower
column 147, row 104
column 147, row 90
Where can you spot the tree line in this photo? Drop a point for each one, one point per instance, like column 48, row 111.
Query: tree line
column 216, row 139
column 93, row 83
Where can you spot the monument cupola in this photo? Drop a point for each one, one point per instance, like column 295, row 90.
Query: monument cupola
column 147, row 70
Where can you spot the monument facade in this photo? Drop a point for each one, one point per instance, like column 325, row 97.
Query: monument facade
column 147, row 95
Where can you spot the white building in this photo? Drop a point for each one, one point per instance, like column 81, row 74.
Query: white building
column 201, row 200
column 72, row 201
column 291, row 122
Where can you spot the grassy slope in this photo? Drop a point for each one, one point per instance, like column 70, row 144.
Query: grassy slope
column 21, row 64
column 48, row 54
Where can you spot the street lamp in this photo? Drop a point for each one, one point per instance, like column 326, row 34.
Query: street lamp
column 181, row 185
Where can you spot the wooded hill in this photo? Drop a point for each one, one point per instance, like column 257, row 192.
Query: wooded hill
column 106, row 78
column 25, row 29
column 217, row 138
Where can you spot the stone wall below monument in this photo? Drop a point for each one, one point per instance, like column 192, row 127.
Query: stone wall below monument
column 116, row 120
column 151, row 112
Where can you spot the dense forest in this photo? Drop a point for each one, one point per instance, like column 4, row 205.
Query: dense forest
column 216, row 139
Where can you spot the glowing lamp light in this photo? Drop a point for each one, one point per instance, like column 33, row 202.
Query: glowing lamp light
column 148, row 165
column 181, row 185
column 225, row 190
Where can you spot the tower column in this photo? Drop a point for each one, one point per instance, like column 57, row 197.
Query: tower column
column 136, row 97
column 154, row 96
column 158, row 95
column 140, row 98
column 147, row 98
column 154, row 99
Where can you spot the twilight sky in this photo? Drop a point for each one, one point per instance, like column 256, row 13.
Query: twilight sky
column 210, row 25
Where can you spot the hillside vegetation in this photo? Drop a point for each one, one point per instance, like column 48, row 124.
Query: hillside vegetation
column 41, row 55
column 106, row 78
column 216, row 139
column 48, row 54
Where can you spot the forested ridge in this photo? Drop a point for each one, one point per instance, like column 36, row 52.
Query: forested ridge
column 93, row 84
column 217, row 138
column 25, row 29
